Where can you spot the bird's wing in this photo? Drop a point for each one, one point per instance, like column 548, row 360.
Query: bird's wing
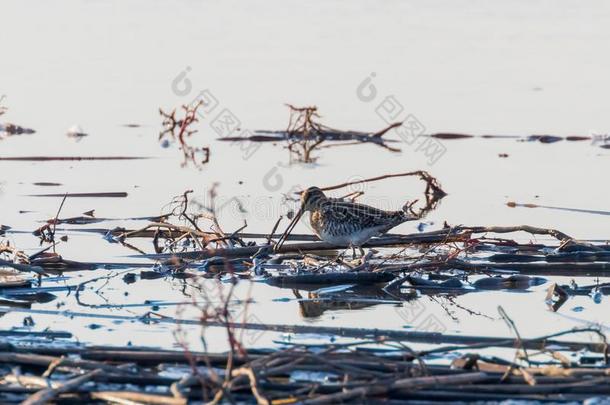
column 360, row 213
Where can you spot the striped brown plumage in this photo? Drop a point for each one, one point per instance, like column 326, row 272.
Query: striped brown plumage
column 345, row 223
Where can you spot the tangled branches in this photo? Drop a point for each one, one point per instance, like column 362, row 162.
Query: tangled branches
column 304, row 134
column 302, row 123
column 178, row 129
column 190, row 234
column 433, row 193
column 11, row 129
column 17, row 256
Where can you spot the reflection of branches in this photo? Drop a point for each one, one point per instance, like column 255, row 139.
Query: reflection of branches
column 445, row 301
column 434, row 193
column 305, row 134
column 191, row 234
column 98, row 291
column 178, row 129
column 301, row 123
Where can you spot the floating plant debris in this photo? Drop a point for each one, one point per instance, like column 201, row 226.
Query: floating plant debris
column 12, row 129
column 76, row 132
column 178, row 129
column 600, row 140
column 305, row 134
column 67, row 158
column 118, row 194
column 513, row 204
column 46, row 184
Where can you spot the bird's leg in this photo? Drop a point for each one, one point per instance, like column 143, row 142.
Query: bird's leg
column 361, row 251
column 353, row 252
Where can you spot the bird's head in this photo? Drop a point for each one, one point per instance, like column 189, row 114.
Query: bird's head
column 311, row 198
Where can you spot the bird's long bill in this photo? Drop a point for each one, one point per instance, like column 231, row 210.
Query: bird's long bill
column 289, row 229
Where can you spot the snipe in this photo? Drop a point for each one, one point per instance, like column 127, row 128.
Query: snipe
column 344, row 223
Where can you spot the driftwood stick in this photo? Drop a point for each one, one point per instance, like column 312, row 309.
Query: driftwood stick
column 147, row 357
column 277, row 223
column 443, row 236
column 148, row 233
column 171, row 227
column 383, row 131
column 420, row 173
column 405, row 383
column 128, row 397
column 48, row 394
column 557, row 373
column 23, row 267
column 561, row 269
column 45, row 361
column 55, row 220
column 30, row 381
column 598, row 385
column 525, row 228
column 53, row 158
column 249, row 372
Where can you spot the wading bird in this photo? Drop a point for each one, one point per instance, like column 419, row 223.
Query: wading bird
column 344, row 223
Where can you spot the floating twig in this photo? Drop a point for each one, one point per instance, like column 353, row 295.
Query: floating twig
column 68, row 158
column 120, row 194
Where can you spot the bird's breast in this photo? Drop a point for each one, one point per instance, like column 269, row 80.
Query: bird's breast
column 338, row 231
